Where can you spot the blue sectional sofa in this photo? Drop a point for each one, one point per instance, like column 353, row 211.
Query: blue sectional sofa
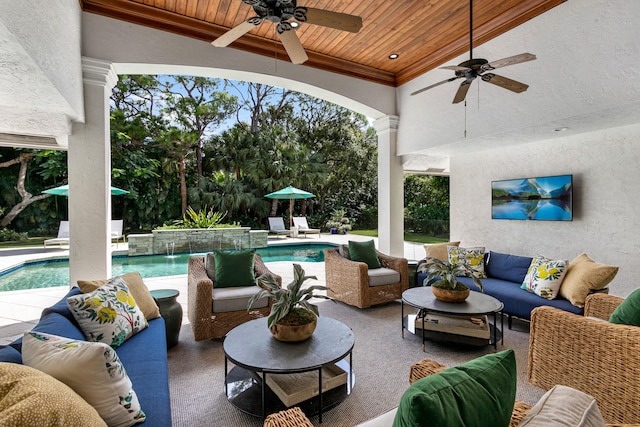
column 144, row 357
column 505, row 274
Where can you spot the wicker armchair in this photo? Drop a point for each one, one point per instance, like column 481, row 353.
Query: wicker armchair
column 205, row 323
column 349, row 281
column 596, row 357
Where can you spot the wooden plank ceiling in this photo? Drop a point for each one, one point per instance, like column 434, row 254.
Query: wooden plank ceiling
column 423, row 33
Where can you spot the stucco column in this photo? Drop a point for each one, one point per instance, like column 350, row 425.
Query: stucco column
column 89, row 164
column 390, row 188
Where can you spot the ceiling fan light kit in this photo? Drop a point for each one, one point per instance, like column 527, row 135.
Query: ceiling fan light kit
column 476, row 67
column 288, row 16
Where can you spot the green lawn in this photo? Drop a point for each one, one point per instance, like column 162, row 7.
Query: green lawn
column 408, row 237
column 31, row 241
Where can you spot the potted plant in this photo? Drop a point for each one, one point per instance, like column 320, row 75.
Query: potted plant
column 293, row 317
column 338, row 222
column 447, row 288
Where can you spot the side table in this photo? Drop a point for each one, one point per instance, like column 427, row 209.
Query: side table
column 171, row 311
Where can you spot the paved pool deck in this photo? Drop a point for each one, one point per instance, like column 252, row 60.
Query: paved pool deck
column 20, row 310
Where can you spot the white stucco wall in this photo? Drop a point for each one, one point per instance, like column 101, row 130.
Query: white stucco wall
column 40, row 70
column 604, row 165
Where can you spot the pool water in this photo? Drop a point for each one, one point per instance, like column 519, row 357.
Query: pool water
column 55, row 272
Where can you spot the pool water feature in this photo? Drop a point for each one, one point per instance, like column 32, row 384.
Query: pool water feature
column 55, row 272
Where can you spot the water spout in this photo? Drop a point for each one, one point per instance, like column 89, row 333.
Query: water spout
column 170, row 249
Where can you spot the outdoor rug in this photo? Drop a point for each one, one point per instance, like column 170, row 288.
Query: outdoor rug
column 381, row 363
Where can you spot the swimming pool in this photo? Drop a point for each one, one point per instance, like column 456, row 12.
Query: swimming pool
column 55, row 272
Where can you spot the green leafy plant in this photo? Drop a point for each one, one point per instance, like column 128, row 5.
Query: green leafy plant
column 339, row 221
column 200, row 219
column 446, row 274
column 290, row 304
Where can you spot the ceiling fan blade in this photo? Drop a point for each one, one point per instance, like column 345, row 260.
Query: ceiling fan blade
column 327, row 18
column 461, row 94
column 523, row 57
column 434, row 85
column 292, row 45
column 504, row 82
column 455, row 68
column 236, row 32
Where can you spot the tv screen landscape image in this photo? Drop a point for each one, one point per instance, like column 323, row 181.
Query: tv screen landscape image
column 547, row 198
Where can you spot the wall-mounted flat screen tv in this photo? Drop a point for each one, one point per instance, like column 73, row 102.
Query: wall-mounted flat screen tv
column 547, row 198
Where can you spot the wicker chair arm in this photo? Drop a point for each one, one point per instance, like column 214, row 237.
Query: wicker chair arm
column 200, row 297
column 401, row 265
column 348, row 280
column 594, row 356
column 260, row 268
column 601, row 305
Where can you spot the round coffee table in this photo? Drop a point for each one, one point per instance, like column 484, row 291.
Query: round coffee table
column 478, row 304
column 257, row 356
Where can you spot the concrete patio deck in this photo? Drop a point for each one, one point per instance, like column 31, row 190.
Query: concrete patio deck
column 20, row 310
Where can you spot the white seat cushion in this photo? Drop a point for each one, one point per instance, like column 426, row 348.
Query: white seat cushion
column 236, row 299
column 382, row 276
column 564, row 406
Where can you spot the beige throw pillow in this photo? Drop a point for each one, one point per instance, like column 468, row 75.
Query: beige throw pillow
column 564, row 406
column 439, row 250
column 137, row 288
column 583, row 276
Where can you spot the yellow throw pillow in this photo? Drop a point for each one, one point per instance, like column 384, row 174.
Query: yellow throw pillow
column 439, row 250
column 32, row 398
column 137, row 288
column 583, row 276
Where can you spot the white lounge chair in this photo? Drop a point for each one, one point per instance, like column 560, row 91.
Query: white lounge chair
column 303, row 227
column 63, row 236
column 276, row 226
column 116, row 231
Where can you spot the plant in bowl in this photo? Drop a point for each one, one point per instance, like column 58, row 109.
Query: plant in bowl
column 447, row 287
column 293, row 317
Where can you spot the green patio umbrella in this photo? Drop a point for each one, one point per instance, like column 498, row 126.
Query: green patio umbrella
column 290, row 193
column 63, row 190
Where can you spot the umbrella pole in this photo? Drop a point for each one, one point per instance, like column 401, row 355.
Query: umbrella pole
column 290, row 213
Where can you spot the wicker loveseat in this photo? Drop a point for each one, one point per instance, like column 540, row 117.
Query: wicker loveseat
column 207, row 324
column 591, row 355
column 349, row 280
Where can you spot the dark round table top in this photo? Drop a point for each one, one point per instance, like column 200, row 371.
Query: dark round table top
column 164, row 294
column 252, row 346
column 477, row 303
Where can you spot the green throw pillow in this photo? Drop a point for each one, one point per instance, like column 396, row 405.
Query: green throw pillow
column 234, row 268
column 364, row 252
column 628, row 312
column 479, row 393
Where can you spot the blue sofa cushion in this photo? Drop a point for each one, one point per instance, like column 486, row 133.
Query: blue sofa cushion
column 518, row 302
column 61, row 307
column 512, row 268
column 54, row 323
column 149, row 374
column 10, row 354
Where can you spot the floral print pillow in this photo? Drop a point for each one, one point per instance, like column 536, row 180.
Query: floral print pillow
column 109, row 314
column 545, row 276
column 472, row 258
column 93, row 370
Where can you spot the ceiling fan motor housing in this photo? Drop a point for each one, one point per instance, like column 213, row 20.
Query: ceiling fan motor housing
column 275, row 10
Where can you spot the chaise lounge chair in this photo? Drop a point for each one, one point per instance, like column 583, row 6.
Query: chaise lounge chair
column 276, row 226
column 63, row 236
column 303, row 227
column 116, row 231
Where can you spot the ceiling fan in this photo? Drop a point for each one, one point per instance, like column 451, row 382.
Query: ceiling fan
column 477, row 67
column 285, row 13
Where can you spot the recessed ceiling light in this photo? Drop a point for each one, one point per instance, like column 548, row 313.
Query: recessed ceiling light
column 561, row 129
column 394, row 56
column 295, row 24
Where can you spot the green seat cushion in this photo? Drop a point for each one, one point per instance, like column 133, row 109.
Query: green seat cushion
column 479, row 393
column 628, row 312
column 364, row 252
column 234, row 268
